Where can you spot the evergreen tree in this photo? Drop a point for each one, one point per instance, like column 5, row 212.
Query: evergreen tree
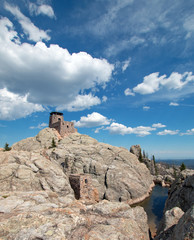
column 53, row 144
column 182, row 167
column 174, row 172
column 153, row 158
column 140, row 157
column 7, row 148
column 144, row 154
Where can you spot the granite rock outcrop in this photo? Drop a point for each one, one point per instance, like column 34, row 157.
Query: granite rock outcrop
column 116, row 173
column 37, row 201
column 45, row 215
column 163, row 174
column 178, row 219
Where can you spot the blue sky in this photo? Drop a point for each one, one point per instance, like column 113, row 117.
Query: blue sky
column 122, row 70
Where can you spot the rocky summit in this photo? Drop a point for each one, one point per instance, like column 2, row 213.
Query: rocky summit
column 37, row 199
column 178, row 219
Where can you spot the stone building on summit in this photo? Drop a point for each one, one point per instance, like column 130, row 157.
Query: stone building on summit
column 82, row 187
column 63, row 127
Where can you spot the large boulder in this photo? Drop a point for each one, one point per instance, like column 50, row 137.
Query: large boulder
column 182, row 191
column 178, row 220
column 37, row 201
column 42, row 140
column 116, row 173
column 136, row 149
column 44, row 215
column 150, row 164
column 30, row 171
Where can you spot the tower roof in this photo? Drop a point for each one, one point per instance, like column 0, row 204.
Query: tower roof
column 56, row 113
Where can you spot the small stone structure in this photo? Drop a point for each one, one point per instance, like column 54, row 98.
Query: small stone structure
column 63, row 127
column 82, row 186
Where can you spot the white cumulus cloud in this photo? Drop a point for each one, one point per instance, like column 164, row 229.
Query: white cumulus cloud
column 92, row 120
column 126, row 64
column 104, row 98
column 42, row 9
column 168, row 132
column 49, row 75
column 98, row 129
column 14, row 106
column 153, row 83
column 158, row 125
column 39, row 126
column 141, row 131
column 33, row 33
column 128, row 92
column 188, row 132
column 173, row 104
column 80, row 103
column 146, row 108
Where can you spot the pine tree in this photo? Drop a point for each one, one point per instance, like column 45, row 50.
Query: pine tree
column 144, row 154
column 182, row 167
column 154, row 161
column 7, row 148
column 140, row 157
column 53, row 144
column 153, row 158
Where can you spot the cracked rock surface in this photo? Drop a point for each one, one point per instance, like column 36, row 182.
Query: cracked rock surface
column 37, row 201
column 116, row 173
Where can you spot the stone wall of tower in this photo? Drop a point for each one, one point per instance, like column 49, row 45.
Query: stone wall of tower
column 63, row 127
column 82, row 186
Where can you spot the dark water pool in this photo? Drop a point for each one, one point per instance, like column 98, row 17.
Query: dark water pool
column 154, row 206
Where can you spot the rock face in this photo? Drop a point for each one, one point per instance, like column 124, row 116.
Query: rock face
column 182, row 191
column 136, row 149
column 163, row 174
column 116, row 173
column 166, row 174
column 178, row 219
column 30, row 171
column 45, row 215
column 37, row 201
column 150, row 164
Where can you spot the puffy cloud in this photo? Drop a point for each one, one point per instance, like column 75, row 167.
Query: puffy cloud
column 98, row 129
column 149, row 85
column 126, row 64
column 128, row 92
column 34, row 33
column 92, row 120
column 146, row 108
column 153, row 83
column 14, row 106
column 158, row 125
column 141, row 131
column 40, row 126
column 168, row 132
column 188, row 132
column 104, row 98
column 49, row 75
column 80, row 103
column 42, row 9
column 173, row 104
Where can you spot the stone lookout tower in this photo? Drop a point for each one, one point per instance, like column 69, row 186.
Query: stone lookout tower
column 82, row 186
column 63, row 127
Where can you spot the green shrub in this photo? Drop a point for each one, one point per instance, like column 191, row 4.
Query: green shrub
column 53, row 144
column 7, row 148
column 182, row 167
